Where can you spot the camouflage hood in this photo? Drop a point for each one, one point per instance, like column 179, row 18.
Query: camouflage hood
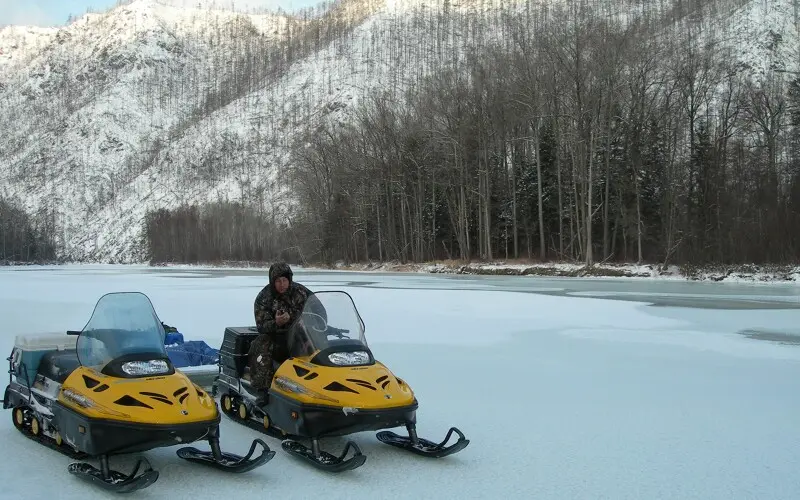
column 277, row 270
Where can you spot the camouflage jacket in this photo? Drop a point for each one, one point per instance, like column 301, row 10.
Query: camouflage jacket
column 268, row 303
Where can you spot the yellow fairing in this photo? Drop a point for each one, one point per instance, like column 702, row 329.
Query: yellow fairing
column 363, row 387
column 164, row 399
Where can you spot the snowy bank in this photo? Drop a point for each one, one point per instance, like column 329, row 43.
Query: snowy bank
column 769, row 273
column 738, row 273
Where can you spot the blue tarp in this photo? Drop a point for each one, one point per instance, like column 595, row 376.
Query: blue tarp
column 173, row 338
column 191, row 353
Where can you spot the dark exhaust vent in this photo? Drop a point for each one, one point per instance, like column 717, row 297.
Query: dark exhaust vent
column 158, row 397
column 101, row 388
column 90, row 382
column 337, row 387
column 131, row 401
column 300, row 371
column 362, row 383
column 311, row 376
column 177, row 393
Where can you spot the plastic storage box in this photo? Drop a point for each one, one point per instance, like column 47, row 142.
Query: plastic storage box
column 29, row 349
column 235, row 347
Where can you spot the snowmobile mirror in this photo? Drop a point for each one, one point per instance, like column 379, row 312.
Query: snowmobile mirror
column 73, row 332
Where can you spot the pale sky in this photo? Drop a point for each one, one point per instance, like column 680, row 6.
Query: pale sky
column 56, row 12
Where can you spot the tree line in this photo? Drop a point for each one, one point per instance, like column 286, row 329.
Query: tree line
column 214, row 233
column 577, row 137
column 24, row 238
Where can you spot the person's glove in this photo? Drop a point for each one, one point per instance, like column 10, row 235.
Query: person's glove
column 282, row 318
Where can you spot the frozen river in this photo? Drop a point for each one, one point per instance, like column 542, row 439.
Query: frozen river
column 567, row 388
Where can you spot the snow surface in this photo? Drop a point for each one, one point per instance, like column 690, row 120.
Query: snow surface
column 562, row 397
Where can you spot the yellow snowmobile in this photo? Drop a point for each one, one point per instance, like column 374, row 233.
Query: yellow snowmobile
column 331, row 385
column 113, row 391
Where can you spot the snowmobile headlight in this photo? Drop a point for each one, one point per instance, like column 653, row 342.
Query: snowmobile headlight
column 152, row 367
column 349, row 358
column 290, row 385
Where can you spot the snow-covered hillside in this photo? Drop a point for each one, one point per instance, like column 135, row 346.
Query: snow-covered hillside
column 759, row 35
column 88, row 111
column 19, row 44
column 153, row 105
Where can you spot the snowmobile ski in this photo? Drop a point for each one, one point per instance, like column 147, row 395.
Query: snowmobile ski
column 112, row 480
column 324, row 460
column 422, row 446
column 228, row 462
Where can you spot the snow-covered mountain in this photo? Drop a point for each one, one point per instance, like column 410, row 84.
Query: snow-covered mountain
column 88, row 108
column 152, row 105
column 20, row 44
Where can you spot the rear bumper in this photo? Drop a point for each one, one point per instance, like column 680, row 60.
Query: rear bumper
column 17, row 395
column 319, row 421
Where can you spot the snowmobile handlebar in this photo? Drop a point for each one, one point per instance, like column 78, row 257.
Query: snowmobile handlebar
column 335, row 330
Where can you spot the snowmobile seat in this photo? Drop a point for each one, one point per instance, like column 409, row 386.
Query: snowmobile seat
column 246, row 373
column 57, row 365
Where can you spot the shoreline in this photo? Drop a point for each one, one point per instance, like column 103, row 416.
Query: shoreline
column 742, row 273
column 784, row 274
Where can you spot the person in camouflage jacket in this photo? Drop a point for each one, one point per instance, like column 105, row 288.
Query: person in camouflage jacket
column 276, row 307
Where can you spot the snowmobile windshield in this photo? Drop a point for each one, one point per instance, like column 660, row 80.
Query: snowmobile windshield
column 124, row 326
column 330, row 323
